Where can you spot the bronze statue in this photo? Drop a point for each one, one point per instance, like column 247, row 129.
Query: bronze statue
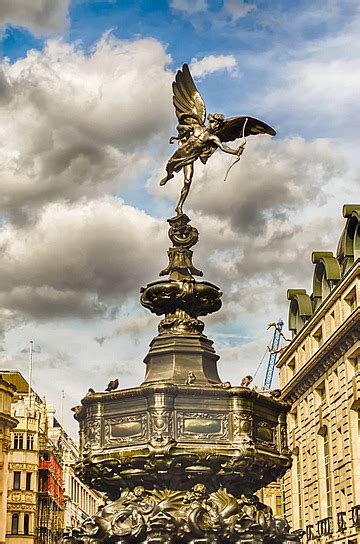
column 199, row 141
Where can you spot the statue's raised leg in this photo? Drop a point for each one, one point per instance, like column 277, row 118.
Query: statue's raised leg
column 188, row 175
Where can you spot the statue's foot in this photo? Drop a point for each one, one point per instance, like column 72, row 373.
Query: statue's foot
column 179, row 211
column 166, row 179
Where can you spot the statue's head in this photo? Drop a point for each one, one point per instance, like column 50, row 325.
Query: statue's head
column 199, row 490
column 216, row 120
column 139, row 490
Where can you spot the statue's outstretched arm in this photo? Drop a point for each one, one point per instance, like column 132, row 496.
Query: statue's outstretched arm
column 226, row 148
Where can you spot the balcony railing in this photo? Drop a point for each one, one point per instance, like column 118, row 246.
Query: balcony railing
column 355, row 515
column 341, row 522
column 310, row 532
column 324, row 527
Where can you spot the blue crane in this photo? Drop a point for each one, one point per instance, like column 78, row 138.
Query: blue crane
column 274, row 352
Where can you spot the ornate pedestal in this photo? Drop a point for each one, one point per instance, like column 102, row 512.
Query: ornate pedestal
column 181, row 456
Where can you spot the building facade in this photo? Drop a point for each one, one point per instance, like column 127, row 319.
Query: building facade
column 34, row 496
column 7, row 422
column 320, row 377
column 79, row 500
column 42, row 497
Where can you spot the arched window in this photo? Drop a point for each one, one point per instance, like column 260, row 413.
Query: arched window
column 15, row 524
column 26, row 524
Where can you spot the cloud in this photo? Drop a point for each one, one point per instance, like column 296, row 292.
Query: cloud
column 81, row 260
column 237, row 9
column 313, row 87
column 189, row 6
column 133, row 325
column 212, row 63
column 272, row 178
column 35, row 349
column 64, row 140
column 257, row 230
column 41, row 17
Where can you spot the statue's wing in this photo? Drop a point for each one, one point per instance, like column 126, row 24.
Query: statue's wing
column 233, row 128
column 189, row 105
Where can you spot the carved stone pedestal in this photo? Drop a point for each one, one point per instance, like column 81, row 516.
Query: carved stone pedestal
column 180, row 457
column 172, row 357
column 165, row 516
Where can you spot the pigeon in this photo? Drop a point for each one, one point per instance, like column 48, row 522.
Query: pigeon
column 275, row 393
column 114, row 384
column 246, row 381
column 90, row 392
column 191, row 378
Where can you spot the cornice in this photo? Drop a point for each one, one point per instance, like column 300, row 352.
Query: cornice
column 343, row 338
column 8, row 387
column 353, row 273
column 8, row 421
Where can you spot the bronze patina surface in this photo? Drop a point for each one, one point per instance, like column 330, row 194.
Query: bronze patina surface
column 181, row 456
column 199, row 141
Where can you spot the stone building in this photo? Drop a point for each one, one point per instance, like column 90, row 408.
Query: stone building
column 79, row 500
column 43, row 496
column 7, row 422
column 34, row 501
column 320, row 377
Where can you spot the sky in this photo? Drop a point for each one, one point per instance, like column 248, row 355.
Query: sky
column 85, row 119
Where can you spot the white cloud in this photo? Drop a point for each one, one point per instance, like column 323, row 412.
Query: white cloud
column 63, row 139
column 259, row 228
column 189, row 6
column 237, row 9
column 315, row 85
column 212, row 63
column 39, row 16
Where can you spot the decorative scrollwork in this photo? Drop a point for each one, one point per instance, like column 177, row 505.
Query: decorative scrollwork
column 181, row 302
column 161, row 427
column 92, row 433
column 181, row 516
column 183, row 236
column 125, row 429
column 202, row 425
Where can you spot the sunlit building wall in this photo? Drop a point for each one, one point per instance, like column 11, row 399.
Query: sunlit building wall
column 320, row 377
column 79, row 500
column 7, row 422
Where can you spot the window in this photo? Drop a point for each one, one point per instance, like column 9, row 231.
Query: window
column 351, row 300
column 291, row 367
column 299, row 487
column 335, row 378
column 303, row 352
column 320, row 394
column 332, row 321
column 30, row 442
column 308, row 465
column 15, row 524
column 305, row 406
column 339, row 443
column 28, row 481
column 356, row 363
column 327, row 475
column 18, row 441
column 17, row 477
column 318, row 337
column 283, row 497
column 26, row 524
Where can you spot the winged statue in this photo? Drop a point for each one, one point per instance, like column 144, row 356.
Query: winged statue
column 198, row 140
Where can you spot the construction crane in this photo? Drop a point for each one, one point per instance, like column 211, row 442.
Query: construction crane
column 274, row 352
